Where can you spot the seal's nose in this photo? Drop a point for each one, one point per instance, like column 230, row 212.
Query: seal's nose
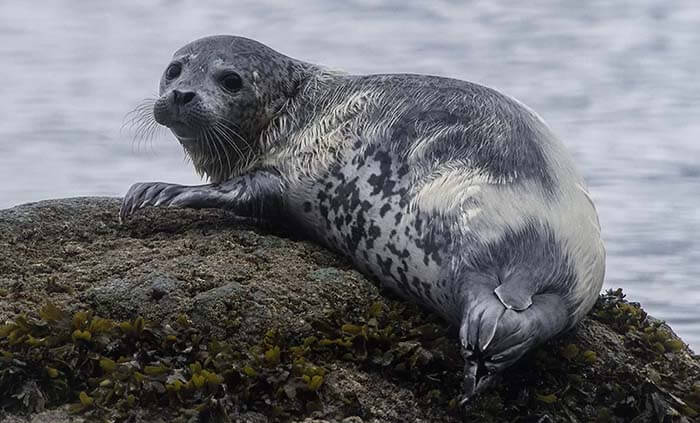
column 181, row 98
column 176, row 105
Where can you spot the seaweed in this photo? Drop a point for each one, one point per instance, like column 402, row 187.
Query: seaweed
column 99, row 364
column 118, row 368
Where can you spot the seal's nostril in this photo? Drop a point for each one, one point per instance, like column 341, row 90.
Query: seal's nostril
column 182, row 98
column 187, row 97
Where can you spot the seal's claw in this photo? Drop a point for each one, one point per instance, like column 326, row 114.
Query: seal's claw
column 479, row 375
column 470, row 381
column 149, row 194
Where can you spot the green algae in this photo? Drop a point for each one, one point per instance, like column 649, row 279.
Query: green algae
column 103, row 366
column 98, row 364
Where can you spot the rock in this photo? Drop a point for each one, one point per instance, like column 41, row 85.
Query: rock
column 208, row 307
column 50, row 416
column 155, row 297
column 244, row 324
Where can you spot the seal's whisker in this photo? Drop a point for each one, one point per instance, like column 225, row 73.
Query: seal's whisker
column 250, row 152
column 141, row 123
column 142, row 109
column 231, row 127
column 222, row 129
column 187, row 159
column 203, row 164
column 209, row 163
column 245, row 153
column 220, row 137
column 219, row 148
column 153, row 132
column 225, row 135
column 230, row 122
column 145, row 104
column 211, row 139
column 137, row 123
column 140, row 132
column 209, row 158
column 148, row 132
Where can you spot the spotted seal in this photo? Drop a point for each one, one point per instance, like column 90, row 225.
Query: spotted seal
column 449, row 193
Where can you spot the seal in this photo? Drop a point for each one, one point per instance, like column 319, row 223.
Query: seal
column 449, row 193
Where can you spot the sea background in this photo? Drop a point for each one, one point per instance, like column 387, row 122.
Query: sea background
column 617, row 80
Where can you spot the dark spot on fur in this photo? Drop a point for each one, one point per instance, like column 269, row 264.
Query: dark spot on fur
column 338, row 221
column 383, row 181
column 397, row 219
column 374, row 231
column 385, row 208
column 395, row 251
column 431, row 244
column 384, row 265
column 418, row 224
column 427, row 290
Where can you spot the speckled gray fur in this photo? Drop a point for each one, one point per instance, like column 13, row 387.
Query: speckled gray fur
column 450, row 193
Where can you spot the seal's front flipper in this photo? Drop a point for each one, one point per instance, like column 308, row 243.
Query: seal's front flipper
column 147, row 194
column 255, row 194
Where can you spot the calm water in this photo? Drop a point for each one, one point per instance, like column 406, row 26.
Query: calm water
column 617, row 80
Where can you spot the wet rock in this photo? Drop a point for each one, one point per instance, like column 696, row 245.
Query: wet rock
column 273, row 299
column 210, row 306
column 156, row 297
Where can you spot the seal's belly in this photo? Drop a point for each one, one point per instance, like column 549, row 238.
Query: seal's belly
column 363, row 210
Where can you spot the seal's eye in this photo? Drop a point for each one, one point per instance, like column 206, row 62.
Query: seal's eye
column 232, row 81
column 173, row 71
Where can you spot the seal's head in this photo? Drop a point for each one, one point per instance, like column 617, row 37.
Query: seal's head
column 219, row 93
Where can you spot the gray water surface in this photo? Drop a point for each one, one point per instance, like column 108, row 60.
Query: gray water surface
column 617, row 80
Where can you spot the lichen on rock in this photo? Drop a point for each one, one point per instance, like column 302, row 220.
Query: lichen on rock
column 183, row 315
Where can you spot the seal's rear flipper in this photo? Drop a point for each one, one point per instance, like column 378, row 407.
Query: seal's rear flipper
column 515, row 298
column 495, row 333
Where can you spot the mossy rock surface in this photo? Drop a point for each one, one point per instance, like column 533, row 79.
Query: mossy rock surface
column 183, row 315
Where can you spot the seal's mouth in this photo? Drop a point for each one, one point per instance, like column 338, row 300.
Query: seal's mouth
column 183, row 131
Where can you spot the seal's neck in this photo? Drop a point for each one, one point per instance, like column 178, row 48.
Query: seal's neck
column 309, row 94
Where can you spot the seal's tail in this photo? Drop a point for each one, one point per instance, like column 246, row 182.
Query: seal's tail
column 501, row 325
